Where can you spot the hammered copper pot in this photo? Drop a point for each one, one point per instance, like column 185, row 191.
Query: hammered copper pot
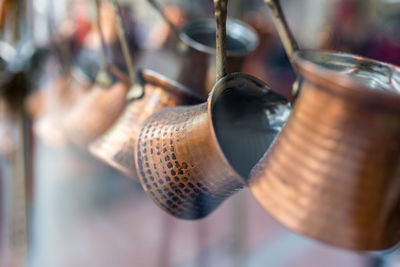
column 93, row 115
column 191, row 158
column 116, row 147
column 333, row 173
column 198, row 47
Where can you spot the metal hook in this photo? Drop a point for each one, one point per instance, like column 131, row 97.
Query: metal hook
column 221, row 7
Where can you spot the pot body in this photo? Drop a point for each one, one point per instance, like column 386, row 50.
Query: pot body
column 117, row 146
column 95, row 114
column 179, row 164
column 333, row 173
column 188, row 162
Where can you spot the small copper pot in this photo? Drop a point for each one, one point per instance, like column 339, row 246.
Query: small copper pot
column 93, row 115
column 190, row 159
column 116, row 147
column 198, row 39
column 333, row 173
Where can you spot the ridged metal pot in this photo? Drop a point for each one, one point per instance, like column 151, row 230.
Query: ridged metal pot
column 191, row 158
column 333, row 173
column 198, row 47
column 116, row 147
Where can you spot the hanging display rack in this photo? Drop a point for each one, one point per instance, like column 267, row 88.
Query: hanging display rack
column 328, row 169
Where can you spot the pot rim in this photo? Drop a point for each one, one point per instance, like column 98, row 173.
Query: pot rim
column 214, row 95
column 155, row 78
column 230, row 24
column 337, row 82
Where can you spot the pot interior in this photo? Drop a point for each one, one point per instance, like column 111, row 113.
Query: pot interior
column 201, row 35
column 246, row 117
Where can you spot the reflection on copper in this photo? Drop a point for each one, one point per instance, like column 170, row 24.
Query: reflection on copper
column 333, row 174
column 116, row 147
column 190, row 159
column 93, row 115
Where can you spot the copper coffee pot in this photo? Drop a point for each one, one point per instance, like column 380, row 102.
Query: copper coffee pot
column 151, row 92
column 95, row 113
column 198, row 47
column 116, row 147
column 100, row 109
column 190, row 159
column 333, row 173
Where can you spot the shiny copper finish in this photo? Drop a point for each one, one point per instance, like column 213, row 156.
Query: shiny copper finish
column 190, row 159
column 333, row 174
column 117, row 146
column 95, row 113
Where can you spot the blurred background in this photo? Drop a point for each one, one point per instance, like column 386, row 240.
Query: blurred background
column 59, row 206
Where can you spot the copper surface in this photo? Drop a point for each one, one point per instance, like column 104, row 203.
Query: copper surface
column 95, row 113
column 190, row 159
column 116, row 147
column 333, row 173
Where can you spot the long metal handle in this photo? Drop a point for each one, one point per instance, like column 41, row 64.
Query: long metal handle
column 287, row 37
column 282, row 26
column 221, row 7
column 101, row 33
column 157, row 6
column 124, row 43
column 103, row 78
column 136, row 91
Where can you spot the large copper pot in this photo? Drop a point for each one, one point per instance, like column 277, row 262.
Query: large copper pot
column 116, row 147
column 199, row 41
column 333, row 174
column 191, row 158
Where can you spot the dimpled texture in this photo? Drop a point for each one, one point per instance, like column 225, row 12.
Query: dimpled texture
column 117, row 146
column 180, row 165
